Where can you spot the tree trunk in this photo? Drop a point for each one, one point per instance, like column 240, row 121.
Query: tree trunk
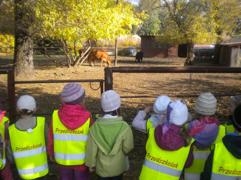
column 190, row 54
column 23, row 50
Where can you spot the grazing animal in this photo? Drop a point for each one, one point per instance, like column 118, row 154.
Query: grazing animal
column 99, row 55
column 139, row 56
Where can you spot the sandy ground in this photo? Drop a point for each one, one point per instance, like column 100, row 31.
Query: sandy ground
column 175, row 85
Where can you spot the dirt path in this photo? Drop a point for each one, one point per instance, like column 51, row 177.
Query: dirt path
column 128, row 85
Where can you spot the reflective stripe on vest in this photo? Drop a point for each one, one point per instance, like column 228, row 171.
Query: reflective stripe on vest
column 2, row 134
column 161, row 164
column 70, row 156
column 225, row 165
column 30, row 154
column 69, row 145
column 33, row 170
column 162, row 169
column 70, row 137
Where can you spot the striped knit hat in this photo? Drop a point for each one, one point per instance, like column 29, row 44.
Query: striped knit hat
column 71, row 92
column 206, row 104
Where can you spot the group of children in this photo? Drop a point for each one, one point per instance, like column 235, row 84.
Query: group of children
column 179, row 145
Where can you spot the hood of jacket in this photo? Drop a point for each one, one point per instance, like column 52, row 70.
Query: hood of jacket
column 2, row 114
column 73, row 115
column 168, row 137
column 233, row 144
column 107, row 134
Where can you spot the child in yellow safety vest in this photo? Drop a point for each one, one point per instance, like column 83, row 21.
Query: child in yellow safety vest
column 110, row 140
column 224, row 162
column 68, row 134
column 168, row 149
column 27, row 139
column 205, row 130
column 5, row 169
column 234, row 102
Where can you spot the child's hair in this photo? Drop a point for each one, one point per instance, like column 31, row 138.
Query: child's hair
column 235, row 101
column 113, row 113
column 236, row 120
column 26, row 112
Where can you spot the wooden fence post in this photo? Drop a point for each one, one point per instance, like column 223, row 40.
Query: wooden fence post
column 108, row 79
column 11, row 95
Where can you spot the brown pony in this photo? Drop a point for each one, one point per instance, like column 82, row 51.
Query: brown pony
column 99, row 55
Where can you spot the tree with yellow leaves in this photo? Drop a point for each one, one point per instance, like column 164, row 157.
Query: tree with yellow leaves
column 75, row 22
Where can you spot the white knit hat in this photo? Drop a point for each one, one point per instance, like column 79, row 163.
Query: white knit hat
column 161, row 104
column 110, row 101
column 206, row 104
column 178, row 113
column 71, row 92
column 26, row 102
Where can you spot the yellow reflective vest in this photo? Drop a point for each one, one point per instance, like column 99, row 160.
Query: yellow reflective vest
column 2, row 133
column 225, row 165
column 69, row 145
column 29, row 150
column 200, row 157
column 161, row 164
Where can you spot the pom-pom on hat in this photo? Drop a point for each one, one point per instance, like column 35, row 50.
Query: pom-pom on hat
column 161, row 104
column 26, row 102
column 206, row 104
column 177, row 113
column 110, row 101
column 71, row 92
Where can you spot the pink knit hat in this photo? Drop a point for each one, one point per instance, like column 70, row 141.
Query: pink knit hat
column 71, row 92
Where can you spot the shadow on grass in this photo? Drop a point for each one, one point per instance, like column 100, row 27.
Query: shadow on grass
column 46, row 103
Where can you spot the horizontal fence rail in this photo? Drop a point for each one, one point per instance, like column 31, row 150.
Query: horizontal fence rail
column 100, row 81
column 174, row 70
column 109, row 75
column 59, row 81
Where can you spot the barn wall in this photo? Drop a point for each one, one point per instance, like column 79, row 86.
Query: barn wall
column 229, row 55
column 152, row 48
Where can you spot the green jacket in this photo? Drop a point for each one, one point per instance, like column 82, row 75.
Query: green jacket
column 110, row 139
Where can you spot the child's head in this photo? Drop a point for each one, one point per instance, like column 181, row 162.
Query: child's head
column 26, row 105
column 110, row 101
column 161, row 103
column 72, row 93
column 236, row 120
column 234, row 102
column 206, row 104
column 177, row 113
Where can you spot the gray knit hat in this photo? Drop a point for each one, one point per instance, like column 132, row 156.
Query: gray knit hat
column 206, row 104
column 71, row 92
